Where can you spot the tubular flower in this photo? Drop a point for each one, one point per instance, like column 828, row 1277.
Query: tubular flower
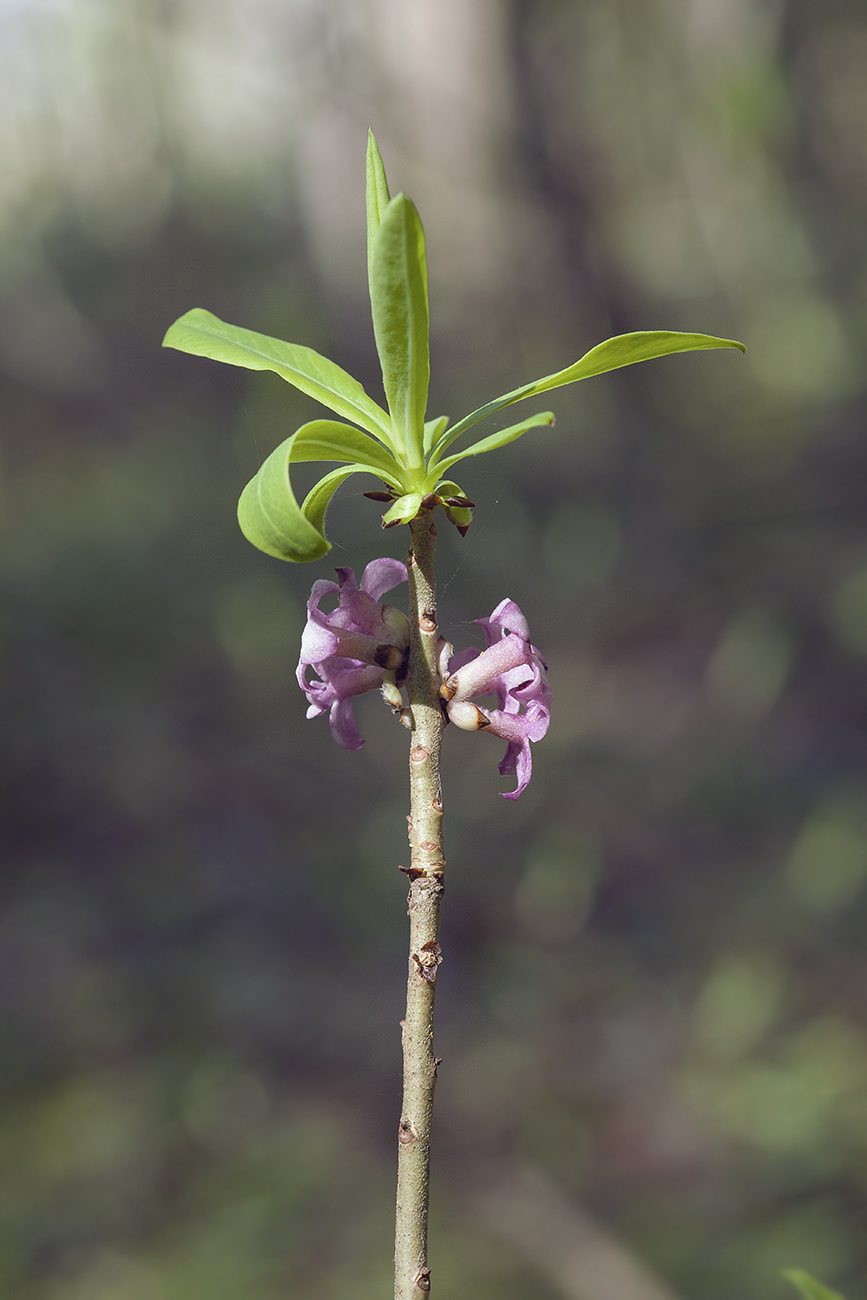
column 352, row 648
column 513, row 670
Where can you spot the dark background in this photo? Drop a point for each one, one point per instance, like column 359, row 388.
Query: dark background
column 652, row 1008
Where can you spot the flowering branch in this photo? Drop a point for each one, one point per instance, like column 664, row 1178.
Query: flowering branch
column 362, row 644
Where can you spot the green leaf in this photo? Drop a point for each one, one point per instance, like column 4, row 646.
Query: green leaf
column 433, row 431
column 398, row 299
column 270, row 518
column 623, row 350
column 268, row 512
column 808, row 1287
column 328, row 440
column 317, row 499
column 494, row 440
column 205, row 335
column 404, row 509
column 378, row 197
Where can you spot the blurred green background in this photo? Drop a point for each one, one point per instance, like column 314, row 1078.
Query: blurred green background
column 652, row 1007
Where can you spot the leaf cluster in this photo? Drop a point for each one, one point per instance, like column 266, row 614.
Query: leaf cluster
column 409, row 453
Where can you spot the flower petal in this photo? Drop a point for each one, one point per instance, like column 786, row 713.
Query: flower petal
column 343, row 725
column 518, row 761
column 507, row 617
column 317, row 642
column 381, row 575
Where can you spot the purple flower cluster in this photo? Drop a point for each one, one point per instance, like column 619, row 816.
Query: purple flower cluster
column 352, row 648
column 513, row 670
column 362, row 644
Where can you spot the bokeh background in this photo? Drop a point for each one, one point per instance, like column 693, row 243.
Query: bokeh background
column 652, row 1006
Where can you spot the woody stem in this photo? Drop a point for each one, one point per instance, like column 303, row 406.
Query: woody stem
column 427, row 864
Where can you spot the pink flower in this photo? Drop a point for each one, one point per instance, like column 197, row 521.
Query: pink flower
column 353, row 647
column 513, row 670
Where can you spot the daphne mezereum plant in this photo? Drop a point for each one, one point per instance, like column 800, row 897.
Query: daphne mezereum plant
column 363, row 644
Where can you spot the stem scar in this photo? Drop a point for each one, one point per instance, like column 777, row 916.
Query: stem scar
column 432, row 870
column 407, row 1132
column 427, row 959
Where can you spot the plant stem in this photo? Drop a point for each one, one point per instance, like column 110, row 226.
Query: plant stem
column 427, row 865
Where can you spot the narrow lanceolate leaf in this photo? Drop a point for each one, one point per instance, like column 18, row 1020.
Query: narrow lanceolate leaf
column 205, row 335
column 398, row 298
column 624, row 350
column 808, row 1287
column 268, row 512
column 491, row 443
column 433, row 431
column 378, row 197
